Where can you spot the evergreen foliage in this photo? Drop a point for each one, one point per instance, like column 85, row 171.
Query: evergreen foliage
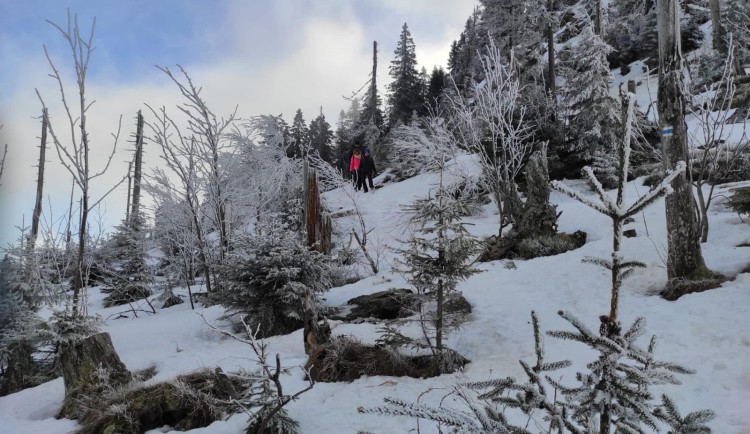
column 299, row 136
column 132, row 280
column 740, row 200
column 593, row 120
column 321, row 138
column 270, row 279
column 405, row 95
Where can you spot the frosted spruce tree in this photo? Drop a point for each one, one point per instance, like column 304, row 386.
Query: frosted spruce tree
column 592, row 113
column 271, row 278
column 133, row 277
column 438, row 253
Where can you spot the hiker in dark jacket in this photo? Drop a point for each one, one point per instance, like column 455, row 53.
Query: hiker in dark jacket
column 367, row 170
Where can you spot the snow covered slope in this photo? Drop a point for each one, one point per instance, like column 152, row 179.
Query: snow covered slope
column 707, row 332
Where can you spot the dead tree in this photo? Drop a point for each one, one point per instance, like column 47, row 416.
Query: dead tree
column 2, row 162
column 719, row 44
column 685, row 259
column 130, row 189
column 39, row 183
column 136, row 203
column 318, row 225
column 74, row 156
column 551, row 86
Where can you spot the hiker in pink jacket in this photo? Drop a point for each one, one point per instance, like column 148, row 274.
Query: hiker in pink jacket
column 354, row 165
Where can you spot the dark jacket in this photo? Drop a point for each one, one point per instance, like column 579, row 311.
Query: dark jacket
column 367, row 165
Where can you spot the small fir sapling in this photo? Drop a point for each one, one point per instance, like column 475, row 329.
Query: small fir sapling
column 132, row 280
column 439, row 252
column 616, row 210
column 265, row 400
column 269, row 278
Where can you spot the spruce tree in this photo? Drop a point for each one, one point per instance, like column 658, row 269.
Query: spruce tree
column 270, row 278
column 592, row 113
column 300, row 137
column 405, row 95
column 132, row 278
column 321, row 138
column 435, row 87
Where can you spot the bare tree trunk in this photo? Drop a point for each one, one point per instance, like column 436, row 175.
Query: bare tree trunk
column 551, row 86
column 685, row 259
column 316, row 227
column 135, row 211
column 39, row 183
column 68, row 234
column 599, row 19
column 719, row 44
column 130, row 189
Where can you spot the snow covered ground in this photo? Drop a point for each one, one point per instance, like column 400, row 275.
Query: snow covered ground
column 706, row 331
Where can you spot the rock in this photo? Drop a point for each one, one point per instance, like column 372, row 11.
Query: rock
column 455, row 302
column 345, row 359
column 628, row 220
column 390, row 304
column 88, row 366
column 172, row 300
column 630, row 233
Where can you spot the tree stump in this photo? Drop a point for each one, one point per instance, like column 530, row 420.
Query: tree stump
column 20, row 368
column 88, row 366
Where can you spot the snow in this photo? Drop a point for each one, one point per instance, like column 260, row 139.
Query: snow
column 705, row 331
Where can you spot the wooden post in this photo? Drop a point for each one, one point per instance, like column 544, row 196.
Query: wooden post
column 685, row 259
column 39, row 183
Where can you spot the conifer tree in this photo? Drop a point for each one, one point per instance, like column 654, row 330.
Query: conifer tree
column 270, row 278
column 592, row 112
column 299, row 135
column 435, row 87
column 321, row 137
column 438, row 253
column 405, row 91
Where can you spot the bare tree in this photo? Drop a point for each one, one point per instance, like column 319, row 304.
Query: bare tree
column 39, row 182
column 685, row 259
column 2, row 162
column 492, row 125
column 75, row 155
column 207, row 132
column 714, row 152
column 179, row 153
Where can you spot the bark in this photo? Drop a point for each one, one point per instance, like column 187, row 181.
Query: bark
column 318, row 225
column 685, row 259
column 130, row 189
column 82, row 362
column 137, row 174
column 719, row 44
column 39, row 183
column 599, row 19
column 551, row 86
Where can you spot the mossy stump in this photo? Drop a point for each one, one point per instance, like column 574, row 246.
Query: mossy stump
column 189, row 401
column 88, row 366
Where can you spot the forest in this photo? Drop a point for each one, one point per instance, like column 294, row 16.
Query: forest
column 547, row 235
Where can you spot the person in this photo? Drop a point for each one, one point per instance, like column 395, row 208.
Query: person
column 354, row 164
column 367, row 169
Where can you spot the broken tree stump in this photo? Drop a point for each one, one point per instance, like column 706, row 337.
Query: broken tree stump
column 88, row 366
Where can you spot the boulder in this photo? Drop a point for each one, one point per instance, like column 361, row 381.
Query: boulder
column 390, row 304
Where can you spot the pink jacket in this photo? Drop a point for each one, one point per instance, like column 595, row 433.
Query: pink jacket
column 354, row 163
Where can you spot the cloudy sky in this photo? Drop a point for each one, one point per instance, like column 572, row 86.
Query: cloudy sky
column 266, row 57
